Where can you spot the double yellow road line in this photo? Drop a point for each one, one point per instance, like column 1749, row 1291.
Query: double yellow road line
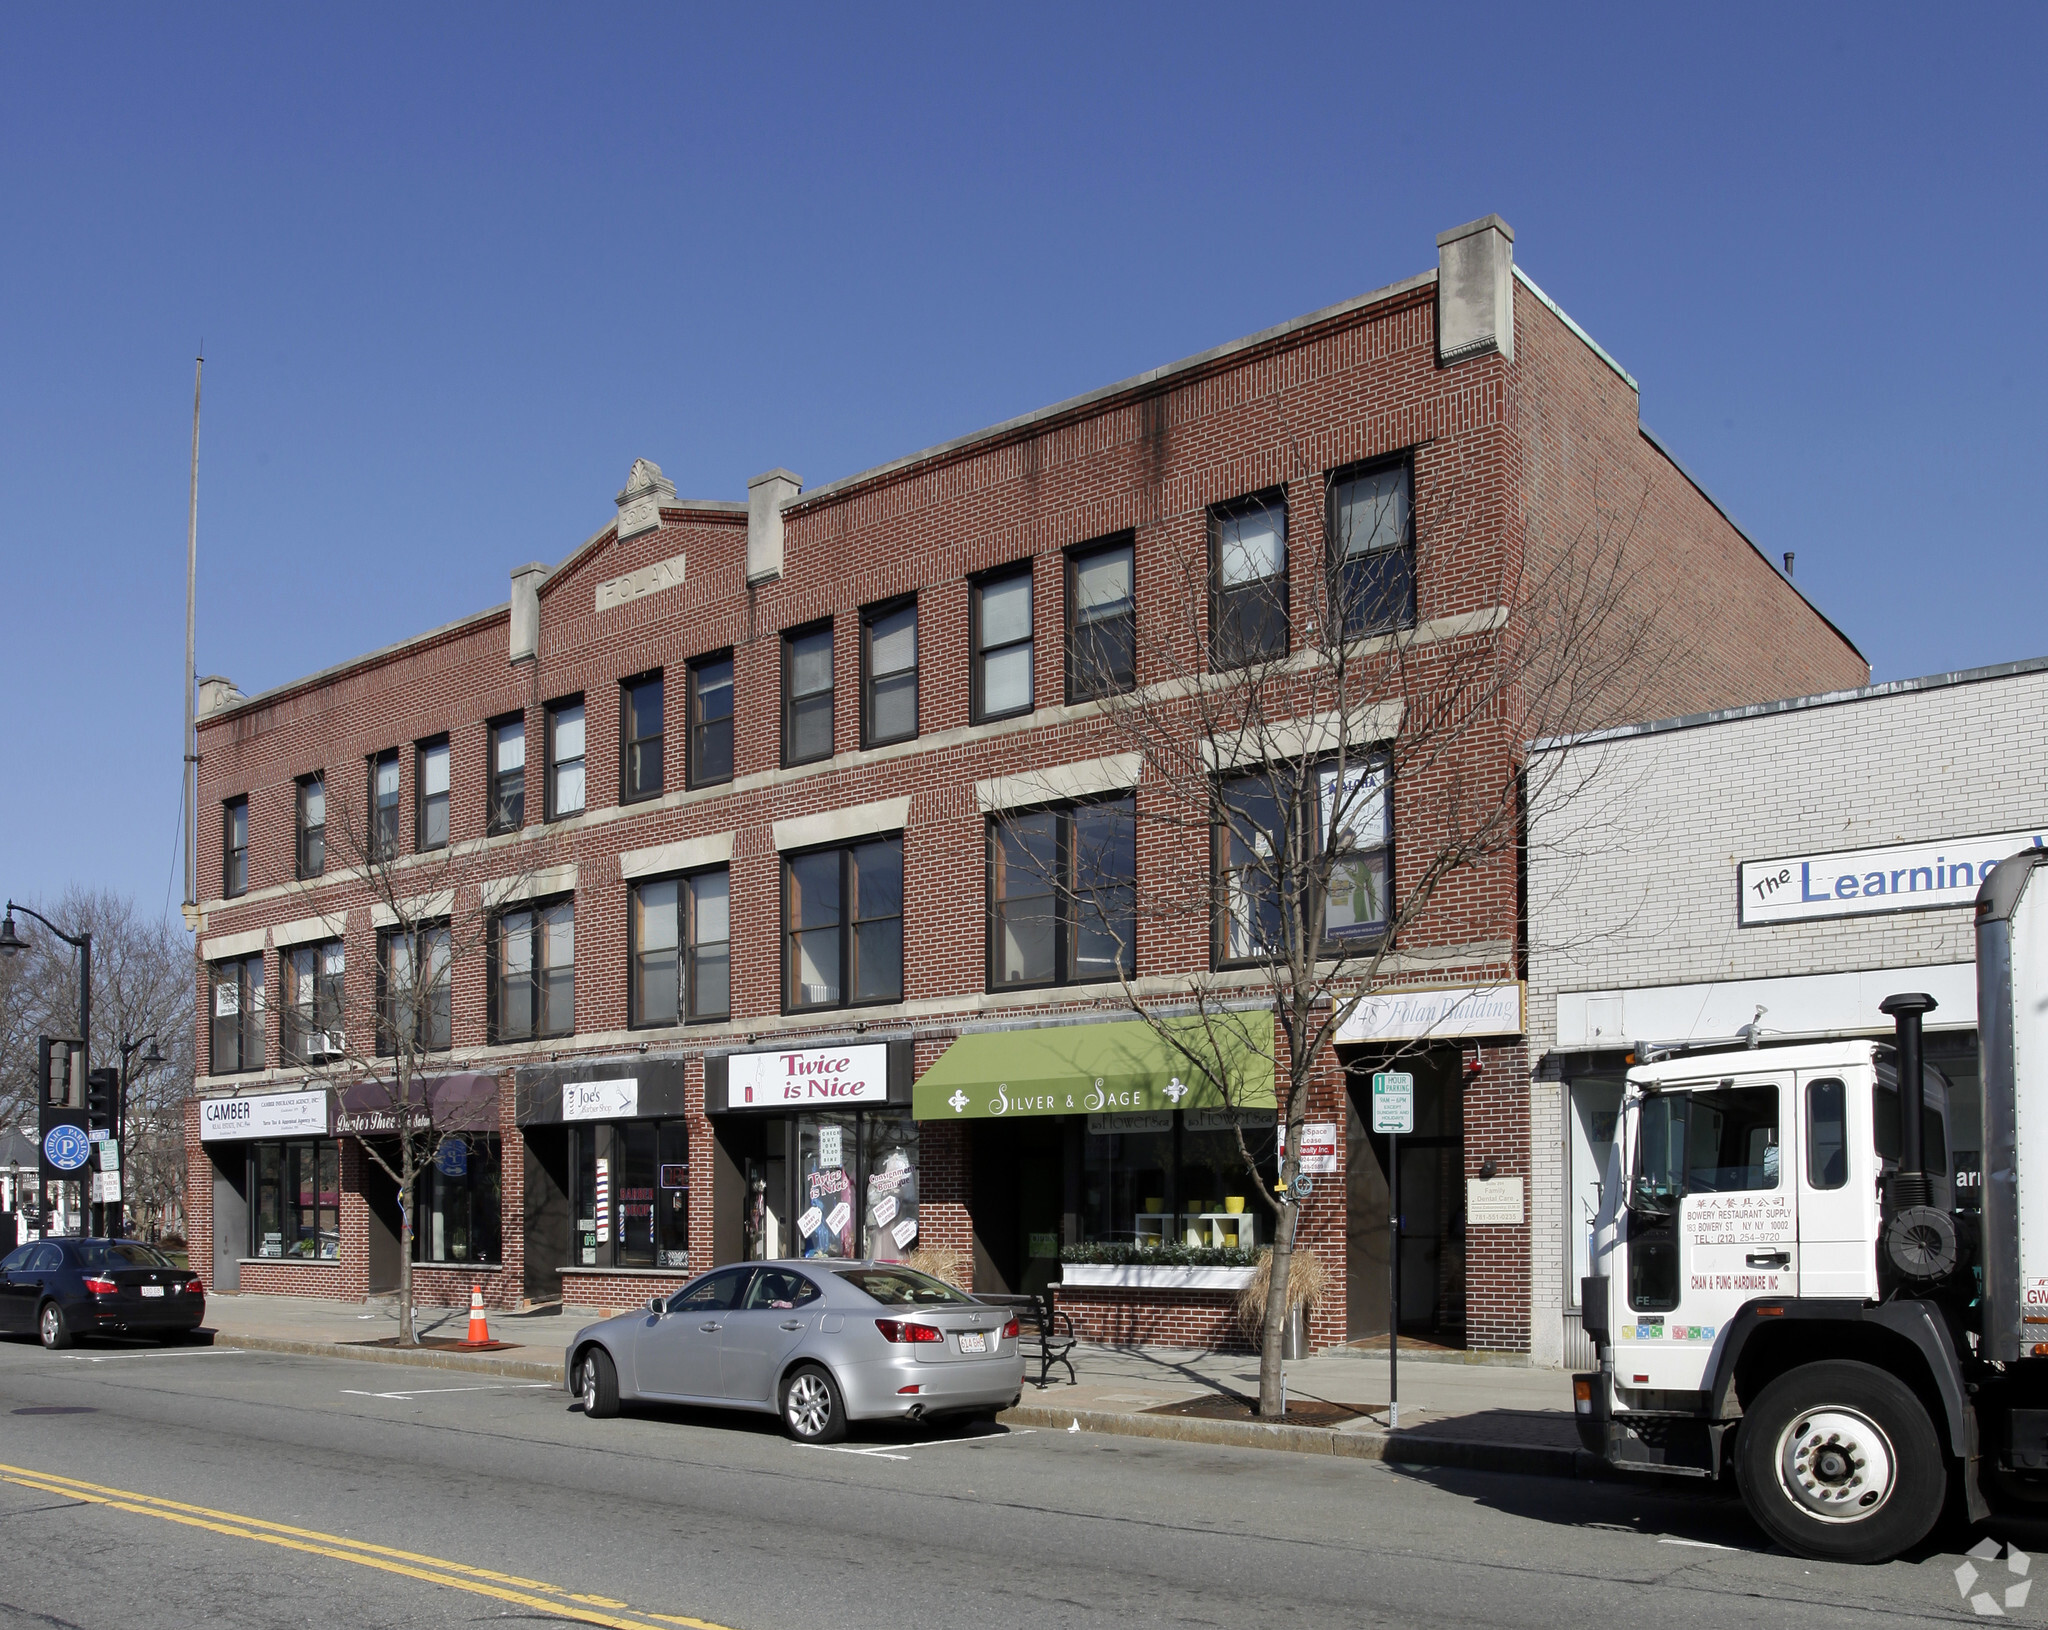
column 432, row 1570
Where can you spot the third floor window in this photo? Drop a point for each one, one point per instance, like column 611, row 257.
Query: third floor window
column 508, row 774
column 1372, row 549
column 312, row 825
column 234, row 839
column 565, row 759
column 807, row 695
column 888, row 673
column 430, row 778
column 710, row 744
column 1101, row 627
column 640, row 738
column 1002, row 645
column 384, row 805
column 1248, row 568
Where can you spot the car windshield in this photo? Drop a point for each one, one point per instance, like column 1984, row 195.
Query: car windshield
column 118, row 1253
column 905, row 1287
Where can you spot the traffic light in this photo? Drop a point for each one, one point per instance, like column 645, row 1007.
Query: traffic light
column 101, row 1088
column 56, row 1058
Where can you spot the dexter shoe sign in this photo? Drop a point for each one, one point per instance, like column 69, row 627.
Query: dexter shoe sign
column 1864, row 882
column 816, row 1075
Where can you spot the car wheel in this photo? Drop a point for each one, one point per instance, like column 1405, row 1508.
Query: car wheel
column 598, row 1383
column 1839, row 1461
column 53, row 1327
column 812, row 1411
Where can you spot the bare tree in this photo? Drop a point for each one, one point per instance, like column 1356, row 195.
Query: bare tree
column 384, row 1042
column 1273, row 739
column 141, row 992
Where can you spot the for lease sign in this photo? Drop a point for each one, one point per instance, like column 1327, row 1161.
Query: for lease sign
column 812, row 1075
column 1864, row 882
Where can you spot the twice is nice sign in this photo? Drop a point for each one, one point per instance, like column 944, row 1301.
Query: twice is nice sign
column 821, row 1075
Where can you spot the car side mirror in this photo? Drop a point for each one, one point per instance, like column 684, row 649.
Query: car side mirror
column 656, row 1306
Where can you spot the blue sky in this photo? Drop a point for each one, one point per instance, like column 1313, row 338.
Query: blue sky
column 456, row 268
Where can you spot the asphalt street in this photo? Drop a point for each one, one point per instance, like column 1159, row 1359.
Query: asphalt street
column 197, row 1486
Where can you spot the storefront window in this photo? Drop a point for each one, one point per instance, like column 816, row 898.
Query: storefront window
column 1168, row 1177
column 457, row 1219
column 889, row 1159
column 631, row 1195
column 826, row 1195
column 297, row 1188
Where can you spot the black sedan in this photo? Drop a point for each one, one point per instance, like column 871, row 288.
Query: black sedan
column 56, row 1289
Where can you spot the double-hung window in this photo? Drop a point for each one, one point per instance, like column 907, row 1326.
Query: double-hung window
column 681, row 952
column 1284, row 842
column 311, row 1019
column 1062, row 886
column 507, row 774
column 237, row 1032
column 842, row 915
column 234, row 843
column 640, row 738
column 413, row 995
column 311, row 825
column 565, row 758
column 430, row 783
column 533, row 971
column 710, row 742
column 1248, row 574
column 888, row 662
column 1372, row 548
column 1002, row 644
column 1101, row 629
column 384, row 805
column 807, row 695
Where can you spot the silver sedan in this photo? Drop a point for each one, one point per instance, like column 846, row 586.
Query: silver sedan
column 820, row 1343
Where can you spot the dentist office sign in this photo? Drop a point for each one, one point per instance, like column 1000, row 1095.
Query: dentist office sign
column 1866, row 882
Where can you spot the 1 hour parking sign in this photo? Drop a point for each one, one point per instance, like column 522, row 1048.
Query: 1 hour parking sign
column 1393, row 1101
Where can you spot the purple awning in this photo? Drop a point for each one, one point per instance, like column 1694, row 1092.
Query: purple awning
column 449, row 1103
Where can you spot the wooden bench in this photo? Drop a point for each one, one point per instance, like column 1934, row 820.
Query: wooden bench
column 1047, row 1334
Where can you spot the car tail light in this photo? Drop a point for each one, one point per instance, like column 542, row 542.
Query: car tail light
column 900, row 1330
column 195, row 1287
column 101, row 1287
column 1010, row 1329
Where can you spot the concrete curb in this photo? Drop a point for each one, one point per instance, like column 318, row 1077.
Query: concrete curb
column 513, row 1369
column 1400, row 1448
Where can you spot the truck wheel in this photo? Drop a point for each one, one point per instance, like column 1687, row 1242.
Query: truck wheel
column 1838, row 1461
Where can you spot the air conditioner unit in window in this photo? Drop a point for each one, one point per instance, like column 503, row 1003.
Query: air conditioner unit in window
column 334, row 1042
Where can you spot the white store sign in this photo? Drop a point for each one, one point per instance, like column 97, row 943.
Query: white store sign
column 1413, row 1015
column 822, row 1075
column 1319, row 1148
column 268, row 1115
column 617, row 1100
column 1864, row 882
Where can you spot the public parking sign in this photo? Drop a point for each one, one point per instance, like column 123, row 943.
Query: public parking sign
column 1393, row 1101
column 66, row 1148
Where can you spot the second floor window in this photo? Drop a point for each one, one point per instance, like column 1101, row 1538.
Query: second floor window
column 889, row 674
column 237, row 1008
column 384, row 806
column 640, row 738
column 1062, row 887
column 1280, row 838
column 807, row 696
column 431, row 779
column 565, row 759
column 682, row 951
column 508, row 774
column 1248, row 566
column 1372, row 549
column 311, row 1020
column 533, row 952
column 1002, row 645
column 312, row 825
column 1101, row 629
column 842, row 914
column 234, row 837
column 710, row 744
column 414, row 1011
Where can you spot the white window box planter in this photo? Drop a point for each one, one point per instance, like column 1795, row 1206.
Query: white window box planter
column 1136, row 1276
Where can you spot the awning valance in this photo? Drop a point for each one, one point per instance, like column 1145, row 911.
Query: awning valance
column 1223, row 1060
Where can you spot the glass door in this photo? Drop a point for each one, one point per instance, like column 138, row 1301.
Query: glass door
column 827, row 1156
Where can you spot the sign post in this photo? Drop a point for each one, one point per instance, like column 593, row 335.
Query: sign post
column 1393, row 1112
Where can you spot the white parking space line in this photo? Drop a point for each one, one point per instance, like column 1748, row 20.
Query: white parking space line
column 883, row 1451
column 428, row 1392
column 173, row 1352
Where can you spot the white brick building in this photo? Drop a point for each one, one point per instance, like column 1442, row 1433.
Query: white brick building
column 1653, row 918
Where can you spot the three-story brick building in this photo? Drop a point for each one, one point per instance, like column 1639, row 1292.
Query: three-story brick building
column 732, row 784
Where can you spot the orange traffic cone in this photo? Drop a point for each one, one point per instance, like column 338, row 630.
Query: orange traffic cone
column 479, row 1331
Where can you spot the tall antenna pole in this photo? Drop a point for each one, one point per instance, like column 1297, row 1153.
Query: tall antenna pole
column 191, row 665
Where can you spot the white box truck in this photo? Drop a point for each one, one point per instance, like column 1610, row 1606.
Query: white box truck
column 1796, row 1285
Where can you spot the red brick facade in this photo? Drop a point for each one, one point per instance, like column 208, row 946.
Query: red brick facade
column 1507, row 455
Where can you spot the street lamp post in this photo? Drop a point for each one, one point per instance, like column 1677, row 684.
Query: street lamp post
column 11, row 942
column 115, row 1221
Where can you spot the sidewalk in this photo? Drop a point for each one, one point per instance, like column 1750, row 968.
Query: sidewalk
column 1496, row 1417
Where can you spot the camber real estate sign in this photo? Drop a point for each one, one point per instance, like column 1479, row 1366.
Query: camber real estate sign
column 1864, row 882
column 811, row 1075
column 264, row 1115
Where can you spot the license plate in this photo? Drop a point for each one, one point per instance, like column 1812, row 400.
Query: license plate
column 974, row 1341
column 152, row 1290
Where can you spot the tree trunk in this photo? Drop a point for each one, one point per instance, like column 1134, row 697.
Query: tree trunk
column 408, row 1330
column 1272, row 1340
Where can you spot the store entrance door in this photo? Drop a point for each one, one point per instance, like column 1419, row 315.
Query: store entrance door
column 1432, row 1202
column 1018, row 1173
